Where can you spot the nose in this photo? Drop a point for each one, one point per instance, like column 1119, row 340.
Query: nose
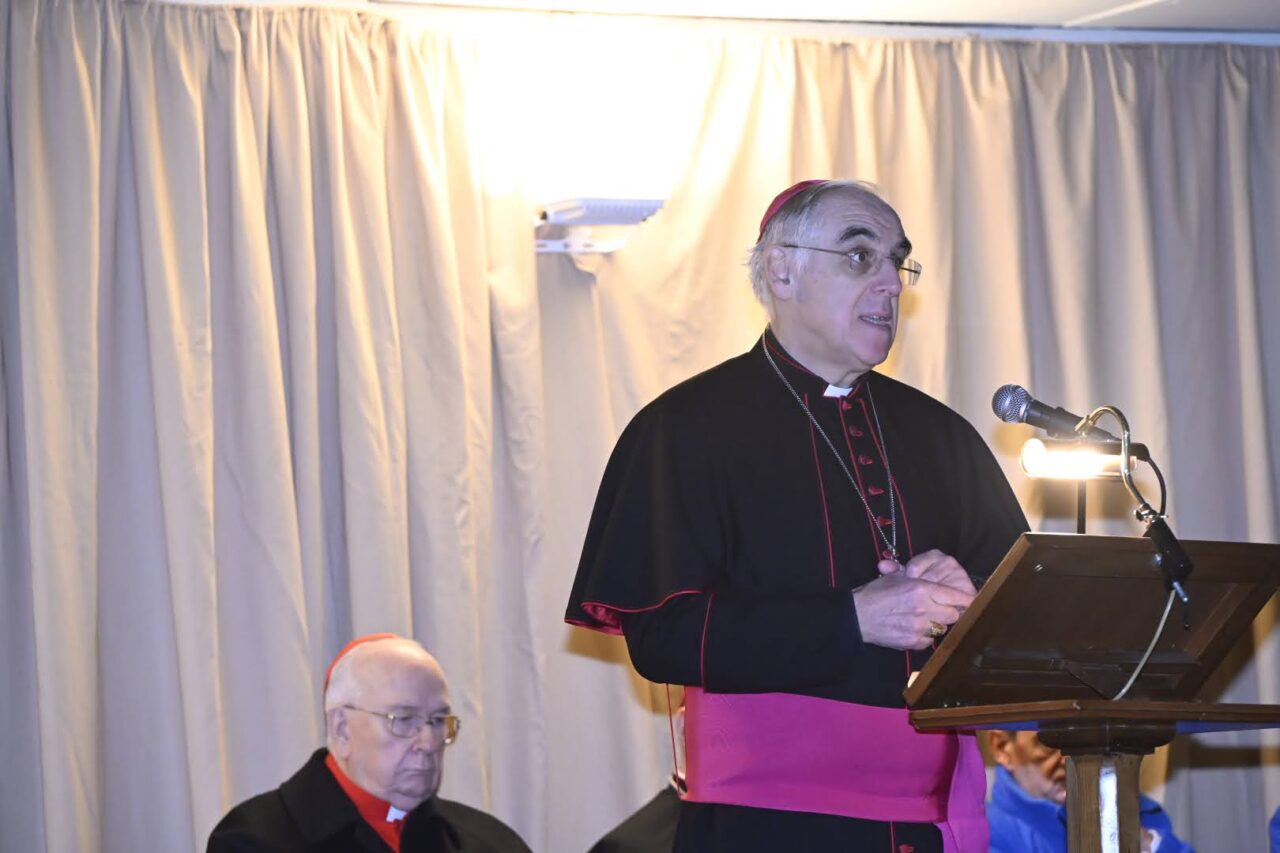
column 888, row 277
column 429, row 738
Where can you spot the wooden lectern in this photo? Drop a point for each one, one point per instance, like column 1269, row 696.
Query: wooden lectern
column 1058, row 629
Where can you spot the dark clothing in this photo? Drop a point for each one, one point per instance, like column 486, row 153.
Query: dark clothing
column 726, row 540
column 651, row 829
column 716, row 827
column 311, row 813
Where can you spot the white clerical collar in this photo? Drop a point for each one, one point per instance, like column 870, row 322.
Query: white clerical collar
column 394, row 814
column 837, row 391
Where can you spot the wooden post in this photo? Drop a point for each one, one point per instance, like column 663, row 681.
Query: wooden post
column 1102, row 804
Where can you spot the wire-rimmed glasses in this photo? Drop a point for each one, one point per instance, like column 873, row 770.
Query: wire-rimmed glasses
column 409, row 725
column 865, row 261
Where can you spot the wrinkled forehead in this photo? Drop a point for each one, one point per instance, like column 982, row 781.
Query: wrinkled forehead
column 846, row 214
column 403, row 678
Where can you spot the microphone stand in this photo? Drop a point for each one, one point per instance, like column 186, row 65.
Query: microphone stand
column 1170, row 556
column 1081, row 486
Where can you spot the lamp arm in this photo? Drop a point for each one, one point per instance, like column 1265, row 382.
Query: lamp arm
column 1090, row 421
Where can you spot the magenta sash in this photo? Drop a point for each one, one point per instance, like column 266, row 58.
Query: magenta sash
column 801, row 753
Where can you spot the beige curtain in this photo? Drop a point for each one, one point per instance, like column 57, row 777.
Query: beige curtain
column 259, row 398
column 279, row 367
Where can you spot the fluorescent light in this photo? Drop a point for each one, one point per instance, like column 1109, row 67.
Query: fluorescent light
column 600, row 211
column 590, row 226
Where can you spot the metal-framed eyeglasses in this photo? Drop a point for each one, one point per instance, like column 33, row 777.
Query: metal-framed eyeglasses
column 410, row 725
column 864, row 261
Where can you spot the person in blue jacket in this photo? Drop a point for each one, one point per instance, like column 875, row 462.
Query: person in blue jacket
column 1028, row 806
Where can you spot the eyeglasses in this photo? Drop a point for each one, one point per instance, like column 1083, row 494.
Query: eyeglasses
column 409, row 725
column 864, row 261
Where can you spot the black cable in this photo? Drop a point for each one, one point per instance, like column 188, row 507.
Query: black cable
column 1159, row 479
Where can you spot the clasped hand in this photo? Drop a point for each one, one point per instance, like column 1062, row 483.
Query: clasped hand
column 898, row 610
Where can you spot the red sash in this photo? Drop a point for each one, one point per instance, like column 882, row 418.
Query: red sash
column 801, row 753
column 372, row 809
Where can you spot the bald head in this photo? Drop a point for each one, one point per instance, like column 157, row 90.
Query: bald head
column 834, row 288
column 370, row 684
column 795, row 217
column 369, row 662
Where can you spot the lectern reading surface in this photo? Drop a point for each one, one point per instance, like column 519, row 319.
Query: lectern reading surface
column 1067, row 617
column 1056, row 632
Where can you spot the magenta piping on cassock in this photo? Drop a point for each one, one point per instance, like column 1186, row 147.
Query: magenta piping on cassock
column 607, row 614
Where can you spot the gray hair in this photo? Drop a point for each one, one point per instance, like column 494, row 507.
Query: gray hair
column 794, row 223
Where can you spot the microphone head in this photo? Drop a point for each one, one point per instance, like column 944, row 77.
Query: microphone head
column 1010, row 403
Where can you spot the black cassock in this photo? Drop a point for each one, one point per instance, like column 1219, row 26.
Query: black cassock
column 726, row 540
column 310, row 813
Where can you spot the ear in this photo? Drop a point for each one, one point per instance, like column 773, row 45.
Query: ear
column 1001, row 744
column 337, row 725
column 778, row 272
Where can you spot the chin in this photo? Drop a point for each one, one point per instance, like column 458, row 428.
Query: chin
column 873, row 359
column 417, row 786
column 871, row 352
column 411, row 797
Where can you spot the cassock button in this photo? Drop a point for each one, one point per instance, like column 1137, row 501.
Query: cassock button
column 886, row 554
column 864, row 459
column 875, row 491
column 884, row 521
column 855, row 432
column 845, row 405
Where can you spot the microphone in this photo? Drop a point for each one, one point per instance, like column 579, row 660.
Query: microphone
column 1014, row 404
